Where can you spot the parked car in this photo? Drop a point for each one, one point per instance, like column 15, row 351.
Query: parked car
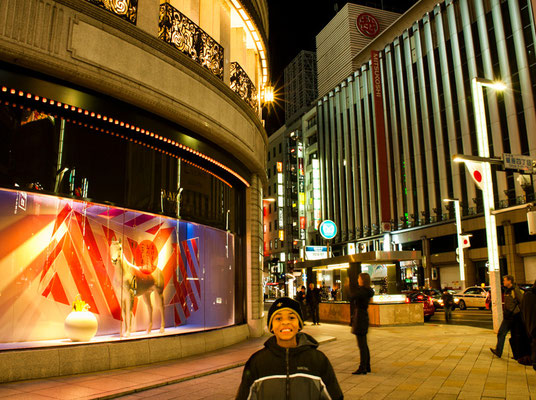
column 427, row 302
column 474, row 296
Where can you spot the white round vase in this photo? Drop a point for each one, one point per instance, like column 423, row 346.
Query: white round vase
column 81, row 326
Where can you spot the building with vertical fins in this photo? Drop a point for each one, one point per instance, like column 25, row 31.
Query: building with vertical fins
column 387, row 133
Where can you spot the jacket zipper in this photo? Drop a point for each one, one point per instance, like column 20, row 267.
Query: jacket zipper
column 287, row 394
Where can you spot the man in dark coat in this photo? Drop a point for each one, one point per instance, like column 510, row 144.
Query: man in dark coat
column 512, row 300
column 528, row 312
column 313, row 301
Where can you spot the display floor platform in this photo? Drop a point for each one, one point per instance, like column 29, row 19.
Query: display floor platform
column 51, row 358
column 105, row 338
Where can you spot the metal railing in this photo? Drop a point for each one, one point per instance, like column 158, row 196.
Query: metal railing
column 178, row 30
column 127, row 9
column 243, row 86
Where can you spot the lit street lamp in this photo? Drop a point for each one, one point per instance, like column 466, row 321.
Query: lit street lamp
column 459, row 234
column 487, row 194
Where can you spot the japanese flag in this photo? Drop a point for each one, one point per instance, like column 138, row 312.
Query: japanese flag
column 476, row 171
column 465, row 241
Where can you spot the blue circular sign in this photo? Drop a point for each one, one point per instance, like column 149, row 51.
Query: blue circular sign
column 328, row 229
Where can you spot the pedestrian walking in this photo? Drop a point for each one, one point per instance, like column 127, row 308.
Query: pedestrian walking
column 361, row 297
column 313, row 302
column 448, row 304
column 512, row 300
column 528, row 312
column 290, row 366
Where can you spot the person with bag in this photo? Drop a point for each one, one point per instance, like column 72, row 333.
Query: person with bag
column 512, row 299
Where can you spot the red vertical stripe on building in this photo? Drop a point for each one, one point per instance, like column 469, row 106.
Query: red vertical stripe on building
column 383, row 166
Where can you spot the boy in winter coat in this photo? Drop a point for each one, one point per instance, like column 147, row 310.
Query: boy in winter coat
column 289, row 366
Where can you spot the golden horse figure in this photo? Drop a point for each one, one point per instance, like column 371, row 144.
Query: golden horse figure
column 134, row 283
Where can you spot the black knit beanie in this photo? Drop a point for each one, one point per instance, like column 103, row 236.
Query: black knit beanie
column 284, row 303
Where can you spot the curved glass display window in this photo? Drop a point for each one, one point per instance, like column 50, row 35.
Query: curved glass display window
column 115, row 259
column 93, row 221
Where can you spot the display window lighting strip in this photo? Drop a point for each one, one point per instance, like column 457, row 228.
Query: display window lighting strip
column 123, row 124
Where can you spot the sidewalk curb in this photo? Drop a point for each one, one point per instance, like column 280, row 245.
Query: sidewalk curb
column 321, row 340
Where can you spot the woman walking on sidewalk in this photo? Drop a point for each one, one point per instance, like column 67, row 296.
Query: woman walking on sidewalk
column 360, row 321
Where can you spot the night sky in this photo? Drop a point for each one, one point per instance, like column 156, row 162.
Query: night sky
column 294, row 25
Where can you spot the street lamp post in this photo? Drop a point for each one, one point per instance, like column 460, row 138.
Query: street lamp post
column 487, row 194
column 459, row 235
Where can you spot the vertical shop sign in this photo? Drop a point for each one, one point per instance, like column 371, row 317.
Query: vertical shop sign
column 301, row 191
column 317, row 212
column 383, row 172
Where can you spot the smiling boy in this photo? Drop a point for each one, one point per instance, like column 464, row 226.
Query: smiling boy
column 289, row 366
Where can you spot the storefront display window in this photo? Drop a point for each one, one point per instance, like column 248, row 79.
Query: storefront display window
column 142, row 232
column 56, row 249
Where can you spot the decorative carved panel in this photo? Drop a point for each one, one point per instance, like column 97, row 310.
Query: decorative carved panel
column 241, row 84
column 190, row 39
column 127, row 9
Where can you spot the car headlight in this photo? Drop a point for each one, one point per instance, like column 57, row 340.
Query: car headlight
column 440, row 301
column 456, row 300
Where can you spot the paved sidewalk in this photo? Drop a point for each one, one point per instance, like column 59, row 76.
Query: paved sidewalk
column 415, row 362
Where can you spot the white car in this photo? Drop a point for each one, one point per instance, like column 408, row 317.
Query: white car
column 474, row 296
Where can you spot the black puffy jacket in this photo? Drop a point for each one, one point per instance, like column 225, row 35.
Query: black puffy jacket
column 301, row 372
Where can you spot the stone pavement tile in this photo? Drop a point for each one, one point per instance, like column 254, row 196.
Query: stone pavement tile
column 65, row 391
column 24, row 396
column 494, row 393
column 399, row 395
column 441, row 372
column 423, row 395
column 463, row 395
column 453, row 382
column 449, row 390
column 407, row 387
column 32, row 386
column 103, row 384
column 445, row 396
column 4, row 392
column 356, row 392
column 495, row 385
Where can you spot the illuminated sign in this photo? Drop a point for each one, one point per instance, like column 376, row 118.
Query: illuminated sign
column 279, row 166
column 281, row 235
column 301, row 191
column 367, row 25
column 317, row 212
column 328, row 229
column 316, row 252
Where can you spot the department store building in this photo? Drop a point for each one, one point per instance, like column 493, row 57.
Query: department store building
column 387, row 134
column 132, row 148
